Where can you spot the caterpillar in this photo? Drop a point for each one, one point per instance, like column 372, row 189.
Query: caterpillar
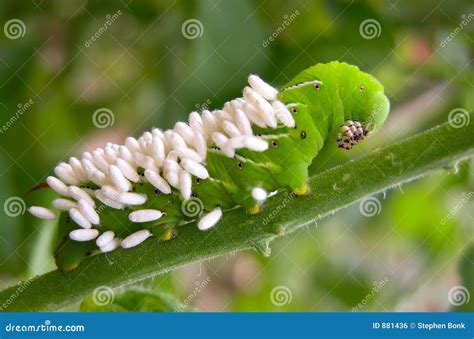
column 264, row 141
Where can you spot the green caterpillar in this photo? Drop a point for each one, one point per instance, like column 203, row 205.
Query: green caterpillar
column 265, row 141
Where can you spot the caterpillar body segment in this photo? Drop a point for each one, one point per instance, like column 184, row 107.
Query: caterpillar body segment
column 262, row 142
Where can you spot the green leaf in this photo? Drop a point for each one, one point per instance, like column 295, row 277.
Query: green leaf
column 436, row 149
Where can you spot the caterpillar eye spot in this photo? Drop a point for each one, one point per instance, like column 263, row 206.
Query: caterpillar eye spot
column 294, row 110
column 157, row 192
column 303, row 135
column 274, row 144
column 317, row 87
column 258, row 135
column 240, row 165
column 194, row 195
column 198, row 181
column 362, row 88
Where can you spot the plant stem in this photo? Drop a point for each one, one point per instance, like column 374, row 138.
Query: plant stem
column 439, row 148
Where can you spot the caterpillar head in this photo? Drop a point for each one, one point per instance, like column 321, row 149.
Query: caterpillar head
column 344, row 101
column 366, row 102
column 365, row 106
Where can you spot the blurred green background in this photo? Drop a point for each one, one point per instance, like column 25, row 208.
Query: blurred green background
column 149, row 66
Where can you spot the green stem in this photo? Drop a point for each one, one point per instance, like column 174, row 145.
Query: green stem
column 439, row 148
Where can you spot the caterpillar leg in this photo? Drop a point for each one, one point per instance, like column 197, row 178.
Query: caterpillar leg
column 254, row 210
column 69, row 254
column 302, row 190
column 165, row 232
column 170, row 234
column 350, row 134
column 259, row 196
